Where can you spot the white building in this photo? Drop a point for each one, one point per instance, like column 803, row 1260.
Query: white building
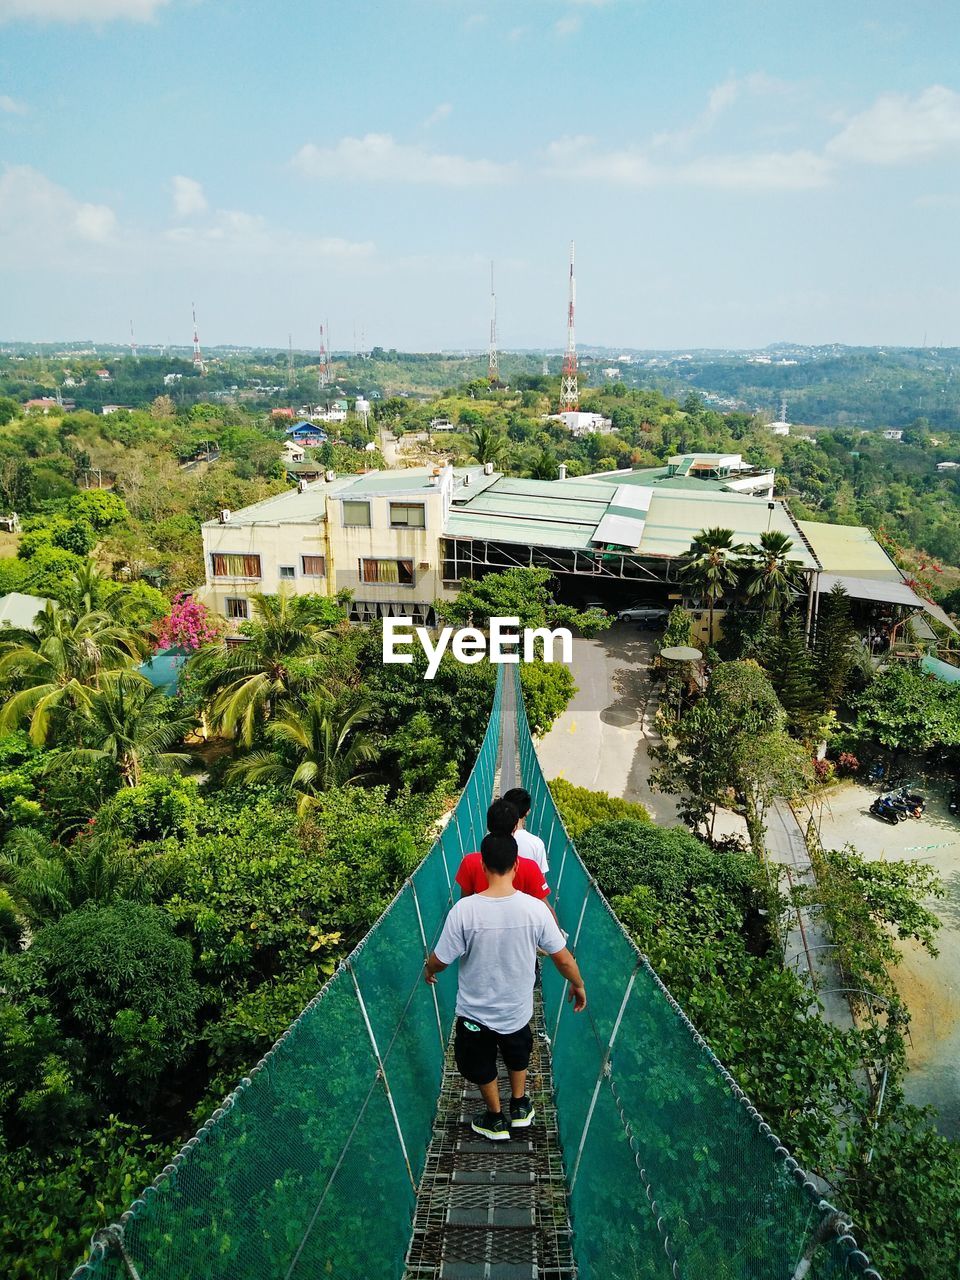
column 582, row 424
column 892, row 434
column 293, row 452
column 947, row 466
column 780, row 428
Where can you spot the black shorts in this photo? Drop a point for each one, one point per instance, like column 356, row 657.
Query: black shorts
column 476, row 1050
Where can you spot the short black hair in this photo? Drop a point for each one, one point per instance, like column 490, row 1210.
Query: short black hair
column 499, row 853
column 502, row 818
column 520, row 799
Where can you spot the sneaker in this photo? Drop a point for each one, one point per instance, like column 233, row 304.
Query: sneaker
column 491, row 1126
column 521, row 1112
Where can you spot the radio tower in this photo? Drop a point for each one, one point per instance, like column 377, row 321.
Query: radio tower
column 133, row 344
column 569, row 388
column 493, row 357
column 323, row 378
column 197, row 357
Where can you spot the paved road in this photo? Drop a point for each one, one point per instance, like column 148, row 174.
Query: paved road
column 601, row 739
column 930, row 985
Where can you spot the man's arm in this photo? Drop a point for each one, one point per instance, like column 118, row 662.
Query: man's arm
column 568, row 969
column 432, row 967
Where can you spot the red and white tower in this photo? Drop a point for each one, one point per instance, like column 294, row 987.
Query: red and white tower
column 569, row 389
column 323, row 377
column 493, row 355
column 197, row 356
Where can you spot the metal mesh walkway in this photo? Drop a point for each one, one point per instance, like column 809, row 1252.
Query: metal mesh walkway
column 493, row 1211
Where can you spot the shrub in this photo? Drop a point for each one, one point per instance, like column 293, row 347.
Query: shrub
column 580, row 808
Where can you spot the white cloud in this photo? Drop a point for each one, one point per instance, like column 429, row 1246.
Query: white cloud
column 10, row 106
column 719, row 101
column 39, row 219
column 569, row 25
column 188, row 196
column 440, row 112
column 79, row 10
column 249, row 235
column 899, row 128
column 580, row 159
column 377, row 157
column 761, row 171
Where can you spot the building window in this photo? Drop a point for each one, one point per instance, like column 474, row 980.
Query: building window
column 236, row 607
column 399, row 571
column 408, row 515
column 287, row 571
column 356, row 514
column 235, row 566
column 313, row 566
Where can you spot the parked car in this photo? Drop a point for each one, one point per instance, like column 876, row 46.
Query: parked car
column 647, row 615
column 595, row 604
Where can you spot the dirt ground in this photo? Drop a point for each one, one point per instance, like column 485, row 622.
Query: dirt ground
column 930, row 986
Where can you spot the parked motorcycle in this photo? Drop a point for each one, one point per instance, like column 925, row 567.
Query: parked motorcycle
column 953, row 804
column 887, row 811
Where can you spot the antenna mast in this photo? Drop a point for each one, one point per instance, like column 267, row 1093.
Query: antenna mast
column 133, row 344
column 291, row 381
column 569, row 387
column 197, row 356
column 323, row 377
column 493, row 356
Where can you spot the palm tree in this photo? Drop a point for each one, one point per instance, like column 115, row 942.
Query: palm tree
column 713, row 566
column 130, row 725
column 318, row 746
column 488, row 445
column 56, row 667
column 41, row 882
column 544, row 466
column 772, row 576
column 245, row 681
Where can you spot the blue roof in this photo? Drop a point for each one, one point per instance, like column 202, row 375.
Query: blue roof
column 305, row 426
column 163, row 669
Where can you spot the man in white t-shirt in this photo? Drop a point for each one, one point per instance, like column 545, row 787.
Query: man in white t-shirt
column 495, row 935
column 528, row 845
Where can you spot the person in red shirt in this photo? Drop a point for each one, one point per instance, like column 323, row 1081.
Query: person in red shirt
column 502, row 819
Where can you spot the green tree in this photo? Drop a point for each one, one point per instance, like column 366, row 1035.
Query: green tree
column 904, row 710
column 245, row 682
column 771, row 576
column 791, row 669
column 711, row 569
column 544, row 465
column 46, row 881
column 56, row 668
column 131, row 725
column 834, row 652
column 488, row 445
column 315, row 748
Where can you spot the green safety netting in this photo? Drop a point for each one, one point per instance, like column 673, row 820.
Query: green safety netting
column 310, row 1167
column 671, row 1170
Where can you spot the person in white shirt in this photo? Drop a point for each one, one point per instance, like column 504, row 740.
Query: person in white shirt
column 495, row 936
column 528, row 845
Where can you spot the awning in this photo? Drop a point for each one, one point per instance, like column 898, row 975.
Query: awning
column 882, row 593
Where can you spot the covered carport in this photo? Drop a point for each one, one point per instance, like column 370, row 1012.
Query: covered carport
column 881, row 591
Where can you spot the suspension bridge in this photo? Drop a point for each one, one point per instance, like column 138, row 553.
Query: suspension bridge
column 346, row 1152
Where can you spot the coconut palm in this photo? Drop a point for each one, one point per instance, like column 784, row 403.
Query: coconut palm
column 488, row 445
column 54, row 668
column 128, row 723
column 245, row 681
column 315, row 747
column 771, row 575
column 713, row 566
column 40, row 881
column 544, row 465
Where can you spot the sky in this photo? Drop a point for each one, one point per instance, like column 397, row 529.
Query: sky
column 733, row 172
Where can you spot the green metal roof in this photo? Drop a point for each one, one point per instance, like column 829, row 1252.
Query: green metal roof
column 850, row 549
column 541, row 532
column 659, row 477
column 676, row 516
